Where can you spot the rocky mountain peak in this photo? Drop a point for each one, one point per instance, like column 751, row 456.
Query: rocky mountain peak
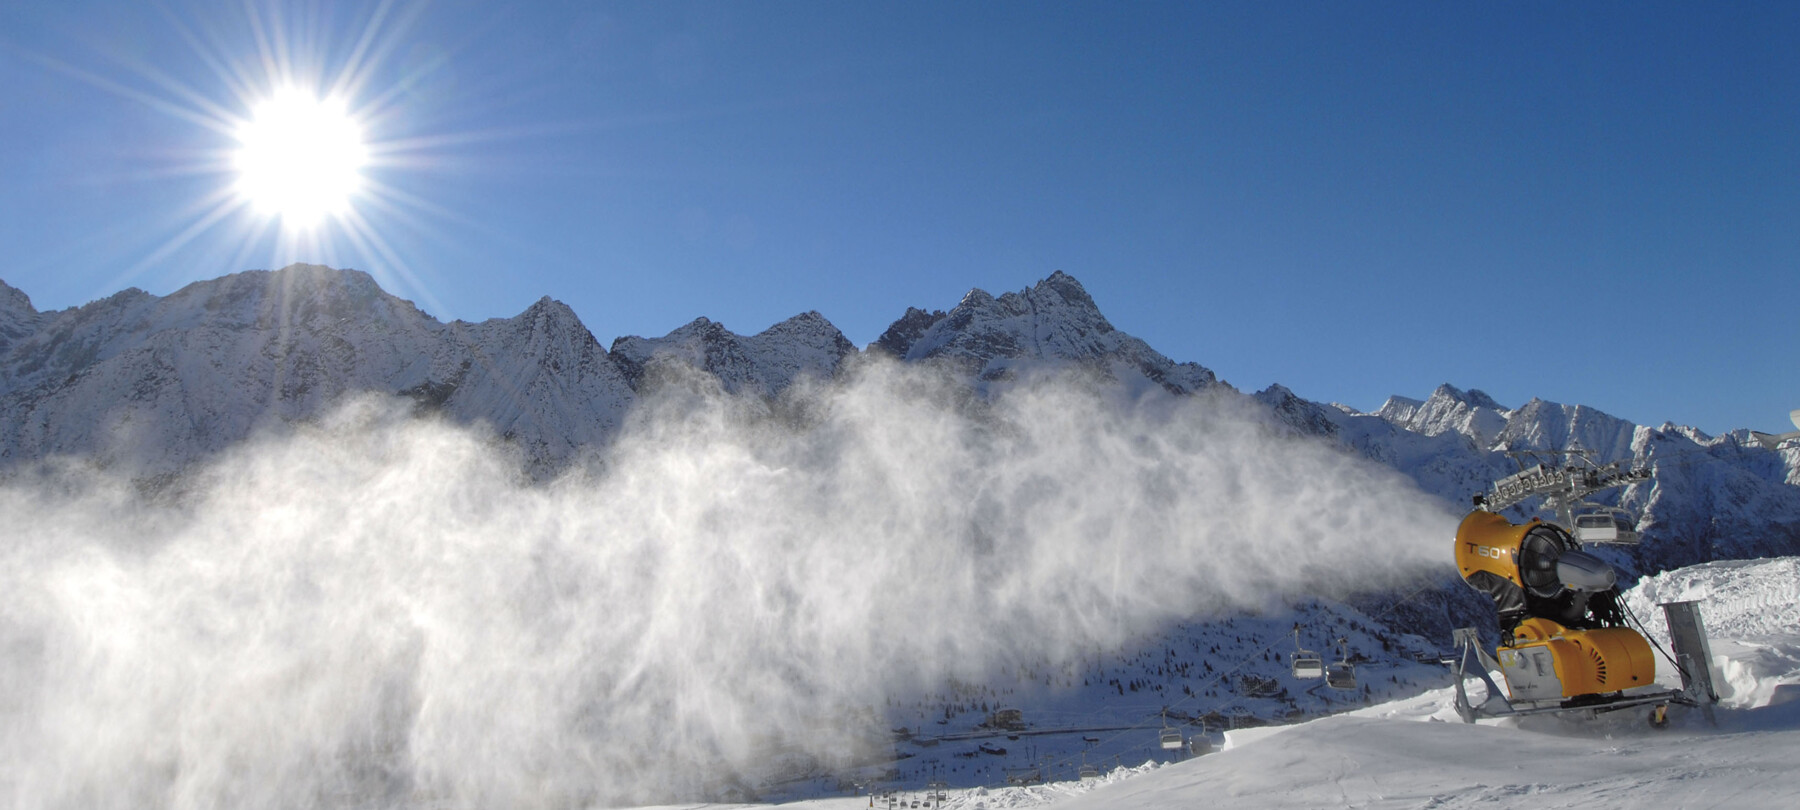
column 1541, row 424
column 765, row 363
column 18, row 318
column 549, row 313
column 902, row 334
column 1449, row 409
column 812, row 329
column 975, row 299
column 1302, row 415
column 14, row 300
column 1052, row 321
column 1064, row 289
column 1473, row 398
column 1398, row 409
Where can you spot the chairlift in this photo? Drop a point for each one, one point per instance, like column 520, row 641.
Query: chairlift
column 1605, row 524
column 1088, row 771
column 1341, row 675
column 1305, row 663
column 1170, row 737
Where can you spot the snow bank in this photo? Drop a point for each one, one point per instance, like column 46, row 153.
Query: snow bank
column 1752, row 613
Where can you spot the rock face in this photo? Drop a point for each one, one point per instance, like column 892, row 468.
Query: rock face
column 152, row 384
column 17, row 317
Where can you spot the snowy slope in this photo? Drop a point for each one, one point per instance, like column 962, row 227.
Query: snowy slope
column 1384, row 757
column 1376, row 763
column 1413, row 753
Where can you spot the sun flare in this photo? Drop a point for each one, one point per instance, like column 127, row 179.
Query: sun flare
column 301, row 158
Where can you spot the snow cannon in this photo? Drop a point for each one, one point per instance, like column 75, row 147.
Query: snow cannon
column 1562, row 634
column 1563, row 644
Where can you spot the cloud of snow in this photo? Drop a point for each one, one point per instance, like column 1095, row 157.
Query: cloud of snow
column 380, row 609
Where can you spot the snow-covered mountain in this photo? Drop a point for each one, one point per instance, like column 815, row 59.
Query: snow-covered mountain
column 152, row 384
column 1709, row 497
column 1052, row 322
column 765, row 363
column 155, row 383
column 1448, row 410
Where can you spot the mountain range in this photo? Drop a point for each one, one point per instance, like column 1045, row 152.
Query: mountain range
column 152, row 384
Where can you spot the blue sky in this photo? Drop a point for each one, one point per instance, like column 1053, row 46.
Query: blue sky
column 1591, row 203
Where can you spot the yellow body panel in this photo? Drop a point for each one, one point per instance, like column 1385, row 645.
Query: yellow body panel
column 1488, row 542
column 1590, row 662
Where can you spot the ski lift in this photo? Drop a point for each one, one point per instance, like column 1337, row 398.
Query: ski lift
column 1305, row 663
column 1605, row 524
column 1170, row 737
column 1341, row 675
column 1088, row 771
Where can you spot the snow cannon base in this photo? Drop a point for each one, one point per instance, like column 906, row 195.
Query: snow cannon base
column 1558, row 686
column 1547, row 661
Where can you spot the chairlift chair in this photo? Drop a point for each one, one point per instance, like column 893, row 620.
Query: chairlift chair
column 1305, row 663
column 1170, row 737
column 1341, row 675
column 1605, row 524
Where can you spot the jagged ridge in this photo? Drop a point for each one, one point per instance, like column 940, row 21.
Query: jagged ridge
column 156, row 383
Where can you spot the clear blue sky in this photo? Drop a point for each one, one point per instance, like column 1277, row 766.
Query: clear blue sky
column 1591, row 203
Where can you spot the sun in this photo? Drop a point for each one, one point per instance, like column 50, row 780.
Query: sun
column 300, row 158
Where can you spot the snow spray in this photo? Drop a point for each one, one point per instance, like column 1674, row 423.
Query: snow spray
column 380, row 609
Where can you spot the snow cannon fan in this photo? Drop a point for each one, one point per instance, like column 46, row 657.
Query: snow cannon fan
column 1561, row 629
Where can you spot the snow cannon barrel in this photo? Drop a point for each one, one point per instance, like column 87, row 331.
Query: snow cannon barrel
column 1487, row 556
column 1487, row 543
column 1530, row 569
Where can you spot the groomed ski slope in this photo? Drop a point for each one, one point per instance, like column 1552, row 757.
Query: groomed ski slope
column 1416, row 754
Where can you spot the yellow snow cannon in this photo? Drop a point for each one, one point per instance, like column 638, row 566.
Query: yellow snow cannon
column 1563, row 640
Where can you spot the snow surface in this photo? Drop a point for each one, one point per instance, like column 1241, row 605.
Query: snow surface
column 1414, row 753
